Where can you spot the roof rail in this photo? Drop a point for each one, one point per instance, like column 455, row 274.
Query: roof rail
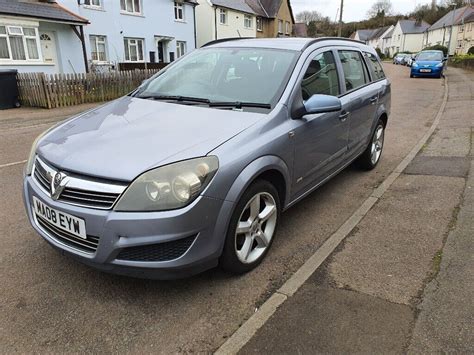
column 316, row 40
column 216, row 41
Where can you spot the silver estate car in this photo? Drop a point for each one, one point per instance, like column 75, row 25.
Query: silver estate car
column 193, row 168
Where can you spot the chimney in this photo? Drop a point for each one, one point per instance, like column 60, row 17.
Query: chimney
column 433, row 4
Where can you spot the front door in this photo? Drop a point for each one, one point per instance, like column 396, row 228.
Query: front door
column 320, row 139
column 48, row 47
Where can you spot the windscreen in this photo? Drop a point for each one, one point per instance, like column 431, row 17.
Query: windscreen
column 226, row 74
column 430, row 56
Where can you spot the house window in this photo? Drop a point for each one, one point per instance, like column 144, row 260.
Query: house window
column 19, row 43
column 280, row 26
column 223, row 16
column 92, row 3
column 178, row 11
column 259, row 24
column 460, row 43
column 133, row 49
column 98, row 48
column 248, row 21
column 131, row 6
column 287, row 29
column 180, row 48
column 398, row 37
column 461, row 28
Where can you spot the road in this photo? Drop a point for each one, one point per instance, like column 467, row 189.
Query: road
column 51, row 303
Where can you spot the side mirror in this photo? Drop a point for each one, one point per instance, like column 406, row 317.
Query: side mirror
column 319, row 103
column 445, row 59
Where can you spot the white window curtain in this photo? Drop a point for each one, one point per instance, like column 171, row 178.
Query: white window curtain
column 19, row 43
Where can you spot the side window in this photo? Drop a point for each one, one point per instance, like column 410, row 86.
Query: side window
column 321, row 77
column 374, row 66
column 355, row 73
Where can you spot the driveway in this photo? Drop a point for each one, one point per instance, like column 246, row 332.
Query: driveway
column 50, row 303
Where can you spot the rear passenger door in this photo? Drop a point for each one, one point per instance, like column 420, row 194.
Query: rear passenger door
column 359, row 99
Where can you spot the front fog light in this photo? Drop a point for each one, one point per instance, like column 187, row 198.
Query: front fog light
column 186, row 187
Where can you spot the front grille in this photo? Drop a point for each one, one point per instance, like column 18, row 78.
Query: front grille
column 93, row 199
column 42, row 177
column 79, row 190
column 88, row 245
column 157, row 252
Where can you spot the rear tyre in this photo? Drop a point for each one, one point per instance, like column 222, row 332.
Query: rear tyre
column 371, row 156
column 252, row 228
column 412, row 76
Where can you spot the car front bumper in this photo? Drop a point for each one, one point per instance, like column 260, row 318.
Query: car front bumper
column 203, row 223
column 435, row 71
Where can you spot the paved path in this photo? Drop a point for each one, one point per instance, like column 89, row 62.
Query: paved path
column 392, row 286
column 50, row 303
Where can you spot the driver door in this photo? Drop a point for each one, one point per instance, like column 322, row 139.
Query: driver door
column 320, row 139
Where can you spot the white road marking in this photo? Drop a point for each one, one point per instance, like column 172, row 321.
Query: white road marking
column 243, row 335
column 13, row 164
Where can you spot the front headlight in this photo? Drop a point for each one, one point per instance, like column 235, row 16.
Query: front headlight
column 169, row 187
column 414, row 65
column 439, row 65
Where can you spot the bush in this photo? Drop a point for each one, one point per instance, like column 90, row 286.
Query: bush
column 465, row 61
column 437, row 47
column 471, row 50
column 379, row 52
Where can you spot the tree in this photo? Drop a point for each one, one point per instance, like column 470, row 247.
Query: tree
column 380, row 8
column 309, row 16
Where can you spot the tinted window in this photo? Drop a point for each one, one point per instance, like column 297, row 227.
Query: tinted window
column 374, row 66
column 355, row 74
column 321, row 77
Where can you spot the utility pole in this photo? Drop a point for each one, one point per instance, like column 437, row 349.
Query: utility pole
column 339, row 31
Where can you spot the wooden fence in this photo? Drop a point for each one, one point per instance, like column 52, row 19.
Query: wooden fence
column 60, row 90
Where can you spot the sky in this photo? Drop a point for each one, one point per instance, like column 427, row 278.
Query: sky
column 354, row 10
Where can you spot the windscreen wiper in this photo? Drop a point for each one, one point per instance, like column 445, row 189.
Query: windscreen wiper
column 238, row 104
column 175, row 98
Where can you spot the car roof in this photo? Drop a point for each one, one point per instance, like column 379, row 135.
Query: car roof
column 290, row 43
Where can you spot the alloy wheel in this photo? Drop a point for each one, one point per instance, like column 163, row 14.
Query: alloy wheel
column 377, row 144
column 255, row 227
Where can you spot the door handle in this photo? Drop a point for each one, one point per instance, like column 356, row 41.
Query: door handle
column 343, row 116
column 373, row 99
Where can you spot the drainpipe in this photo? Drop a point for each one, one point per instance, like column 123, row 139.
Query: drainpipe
column 195, row 33
column 215, row 22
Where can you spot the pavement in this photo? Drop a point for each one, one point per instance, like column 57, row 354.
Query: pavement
column 368, row 296
column 402, row 281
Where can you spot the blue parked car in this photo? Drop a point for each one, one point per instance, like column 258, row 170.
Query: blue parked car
column 428, row 63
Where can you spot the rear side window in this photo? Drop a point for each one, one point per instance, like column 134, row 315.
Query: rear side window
column 321, row 77
column 355, row 72
column 374, row 66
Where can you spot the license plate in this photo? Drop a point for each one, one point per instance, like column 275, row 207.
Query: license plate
column 64, row 221
column 425, row 70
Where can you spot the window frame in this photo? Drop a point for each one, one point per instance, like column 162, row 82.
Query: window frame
column 96, row 43
column 24, row 37
column 181, row 47
column 125, row 11
column 342, row 75
column 93, row 6
column 287, row 28
column 128, row 39
column 179, row 6
column 259, row 24
column 248, row 18
column 280, row 26
column 372, row 75
column 223, row 12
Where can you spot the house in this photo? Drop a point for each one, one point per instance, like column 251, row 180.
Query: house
column 41, row 36
column 386, row 42
column 460, row 22
column 407, row 36
column 300, row 29
column 274, row 17
column 375, row 40
column 217, row 19
column 135, row 33
column 362, row 35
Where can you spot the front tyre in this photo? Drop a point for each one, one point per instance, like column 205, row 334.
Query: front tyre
column 252, row 228
column 371, row 156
